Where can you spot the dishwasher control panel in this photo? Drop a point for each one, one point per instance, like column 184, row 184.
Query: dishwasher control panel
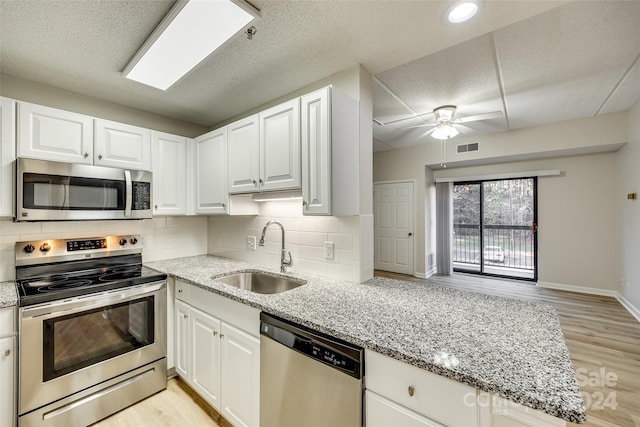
column 324, row 349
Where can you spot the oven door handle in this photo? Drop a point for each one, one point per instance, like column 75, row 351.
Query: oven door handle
column 90, row 301
column 129, row 194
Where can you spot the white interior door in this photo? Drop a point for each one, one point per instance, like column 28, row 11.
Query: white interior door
column 393, row 227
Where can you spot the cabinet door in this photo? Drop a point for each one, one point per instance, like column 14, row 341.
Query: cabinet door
column 8, row 409
column 316, row 153
column 122, row 146
column 240, row 377
column 7, row 155
column 498, row 412
column 51, row 134
column 382, row 412
column 243, row 147
column 205, row 356
column 211, row 175
column 280, row 147
column 169, row 167
column 182, row 341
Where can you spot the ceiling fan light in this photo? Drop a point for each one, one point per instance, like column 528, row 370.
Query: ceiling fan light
column 444, row 131
column 461, row 11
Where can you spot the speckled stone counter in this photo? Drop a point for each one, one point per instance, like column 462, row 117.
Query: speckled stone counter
column 8, row 294
column 512, row 348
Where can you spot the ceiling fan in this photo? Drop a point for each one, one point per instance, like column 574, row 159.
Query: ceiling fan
column 445, row 126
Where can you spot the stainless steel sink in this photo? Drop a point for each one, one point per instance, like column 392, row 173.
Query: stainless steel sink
column 261, row 283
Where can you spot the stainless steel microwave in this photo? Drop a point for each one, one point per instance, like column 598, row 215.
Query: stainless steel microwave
column 54, row 191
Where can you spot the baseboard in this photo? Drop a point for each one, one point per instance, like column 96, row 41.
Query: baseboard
column 579, row 289
column 635, row 311
column 420, row 275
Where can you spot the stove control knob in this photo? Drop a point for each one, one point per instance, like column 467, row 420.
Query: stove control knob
column 29, row 248
column 133, row 240
column 45, row 247
column 123, row 242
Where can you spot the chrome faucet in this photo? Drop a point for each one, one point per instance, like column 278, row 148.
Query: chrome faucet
column 284, row 262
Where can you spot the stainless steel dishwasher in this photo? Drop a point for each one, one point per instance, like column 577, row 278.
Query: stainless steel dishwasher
column 307, row 379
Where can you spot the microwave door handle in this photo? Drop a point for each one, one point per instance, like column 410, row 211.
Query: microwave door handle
column 128, row 194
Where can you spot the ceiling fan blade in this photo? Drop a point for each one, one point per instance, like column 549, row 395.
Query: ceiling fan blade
column 419, row 126
column 412, row 117
column 478, row 117
column 429, row 132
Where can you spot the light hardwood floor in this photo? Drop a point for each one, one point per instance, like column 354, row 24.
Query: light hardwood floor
column 600, row 334
column 173, row 407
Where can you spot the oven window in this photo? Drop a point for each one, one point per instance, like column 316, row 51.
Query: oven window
column 72, row 193
column 82, row 339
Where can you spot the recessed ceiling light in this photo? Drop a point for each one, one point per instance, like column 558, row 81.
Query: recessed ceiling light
column 461, row 11
column 189, row 33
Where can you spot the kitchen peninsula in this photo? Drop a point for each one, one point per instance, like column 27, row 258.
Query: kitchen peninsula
column 509, row 348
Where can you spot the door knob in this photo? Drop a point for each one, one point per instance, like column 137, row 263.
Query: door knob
column 7, row 352
column 410, row 234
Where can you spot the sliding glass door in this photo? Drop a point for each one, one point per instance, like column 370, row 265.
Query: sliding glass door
column 494, row 227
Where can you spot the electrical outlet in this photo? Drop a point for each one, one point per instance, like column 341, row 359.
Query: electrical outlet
column 251, row 243
column 329, row 249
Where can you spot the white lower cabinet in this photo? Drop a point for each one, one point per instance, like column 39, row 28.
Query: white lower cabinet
column 382, row 412
column 423, row 394
column 216, row 355
column 498, row 412
column 8, row 406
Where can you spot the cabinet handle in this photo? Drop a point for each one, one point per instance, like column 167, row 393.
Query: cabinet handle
column 224, row 206
column 410, row 234
column 155, row 207
column 261, row 181
column 215, row 333
column 411, row 390
column 179, row 291
column 99, row 156
column 304, row 203
column 7, row 352
column 185, row 316
column 254, row 181
column 86, row 155
column 221, row 336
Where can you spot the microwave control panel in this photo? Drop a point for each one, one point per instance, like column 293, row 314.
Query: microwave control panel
column 141, row 200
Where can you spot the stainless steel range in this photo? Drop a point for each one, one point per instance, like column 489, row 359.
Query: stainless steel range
column 92, row 329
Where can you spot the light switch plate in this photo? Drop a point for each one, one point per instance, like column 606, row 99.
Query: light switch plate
column 251, row 243
column 329, row 249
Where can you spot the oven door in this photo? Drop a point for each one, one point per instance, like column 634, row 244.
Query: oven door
column 70, row 345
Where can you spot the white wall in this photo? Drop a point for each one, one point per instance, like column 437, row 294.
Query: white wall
column 163, row 237
column 629, row 211
column 578, row 241
column 304, row 238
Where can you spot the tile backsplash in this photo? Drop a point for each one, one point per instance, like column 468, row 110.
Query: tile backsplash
column 305, row 237
column 164, row 238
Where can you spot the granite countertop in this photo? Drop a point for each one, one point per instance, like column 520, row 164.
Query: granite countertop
column 509, row 347
column 8, row 294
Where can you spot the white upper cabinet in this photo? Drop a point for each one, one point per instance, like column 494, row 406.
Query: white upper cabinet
column 169, row 167
column 330, row 149
column 243, row 145
column 211, row 172
column 52, row 134
column 7, row 154
column 122, row 146
column 280, row 147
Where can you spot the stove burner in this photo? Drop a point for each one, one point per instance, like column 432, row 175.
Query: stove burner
column 118, row 276
column 53, row 287
column 126, row 269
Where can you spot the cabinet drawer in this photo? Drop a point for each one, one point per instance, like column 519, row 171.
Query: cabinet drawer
column 446, row 401
column 182, row 291
column 382, row 412
column 7, row 321
column 235, row 313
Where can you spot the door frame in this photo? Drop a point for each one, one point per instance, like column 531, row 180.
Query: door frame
column 534, row 236
column 414, row 183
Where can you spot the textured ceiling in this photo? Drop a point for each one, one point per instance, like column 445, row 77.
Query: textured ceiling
column 579, row 60
column 83, row 45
